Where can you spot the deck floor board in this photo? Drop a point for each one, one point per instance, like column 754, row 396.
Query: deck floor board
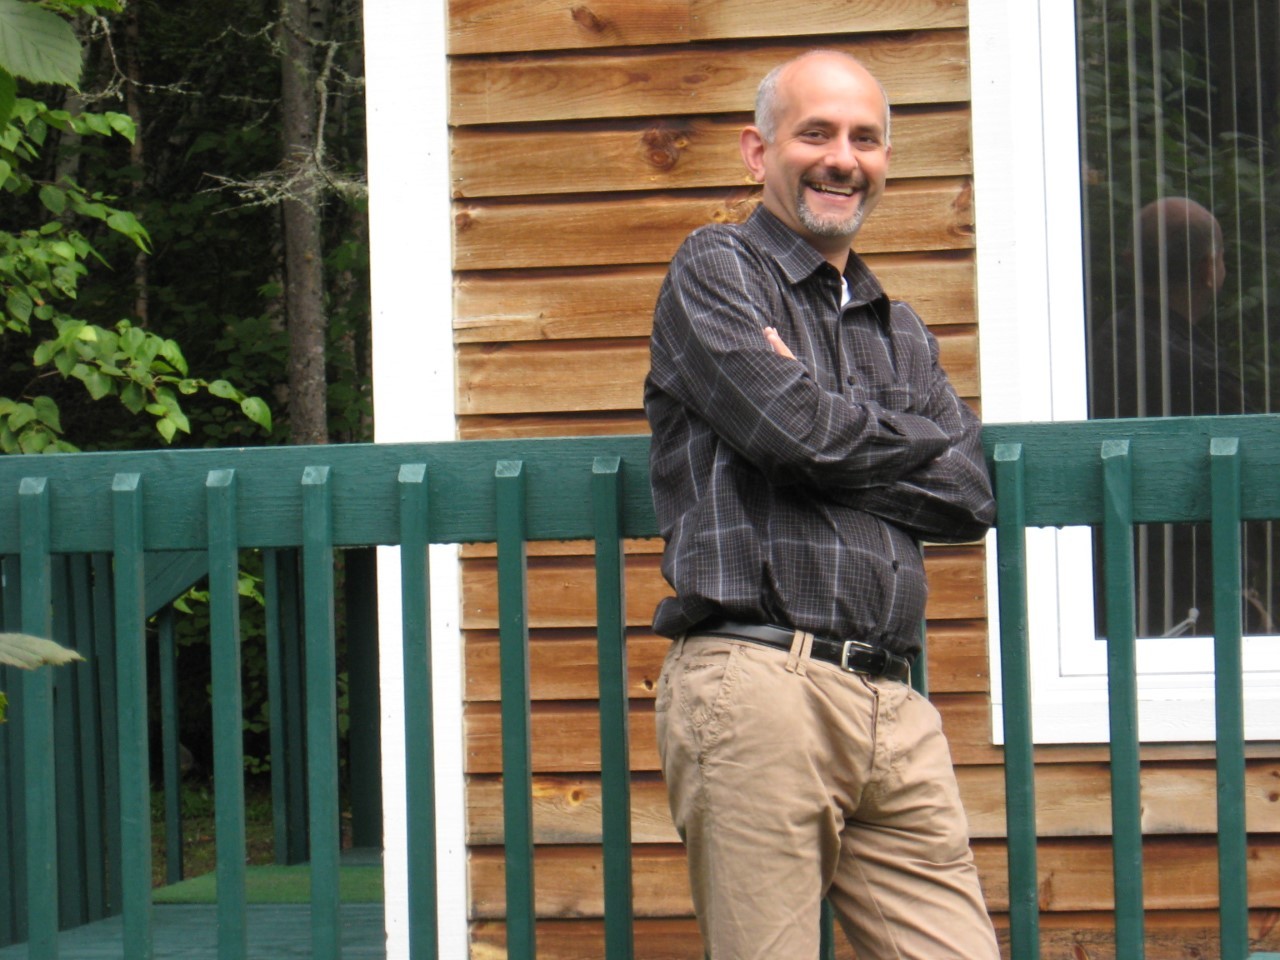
column 190, row 932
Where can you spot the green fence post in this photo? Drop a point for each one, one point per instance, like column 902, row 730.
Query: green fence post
column 91, row 733
column 1228, row 663
column 364, row 734
column 615, row 752
column 38, row 739
column 131, row 673
column 104, row 644
column 228, row 711
column 72, row 904
column 517, row 762
column 167, row 653
column 1122, row 687
column 294, row 668
column 1015, row 684
column 322, row 711
column 419, row 721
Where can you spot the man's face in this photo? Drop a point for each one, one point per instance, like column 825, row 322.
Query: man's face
column 825, row 169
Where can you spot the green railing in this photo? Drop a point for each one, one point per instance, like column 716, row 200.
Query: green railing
column 82, row 532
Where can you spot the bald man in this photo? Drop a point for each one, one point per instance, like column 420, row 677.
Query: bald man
column 1157, row 358
column 804, row 441
column 1161, row 357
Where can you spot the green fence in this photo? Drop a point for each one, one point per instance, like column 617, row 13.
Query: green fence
column 92, row 544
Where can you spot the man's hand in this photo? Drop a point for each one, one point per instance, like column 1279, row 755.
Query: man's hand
column 775, row 341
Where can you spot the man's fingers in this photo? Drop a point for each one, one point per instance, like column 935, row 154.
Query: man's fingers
column 775, row 341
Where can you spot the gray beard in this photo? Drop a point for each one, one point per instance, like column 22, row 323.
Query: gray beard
column 827, row 227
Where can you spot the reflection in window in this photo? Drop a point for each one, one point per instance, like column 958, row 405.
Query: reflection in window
column 1180, row 116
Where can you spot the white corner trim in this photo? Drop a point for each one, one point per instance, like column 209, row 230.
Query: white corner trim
column 406, row 75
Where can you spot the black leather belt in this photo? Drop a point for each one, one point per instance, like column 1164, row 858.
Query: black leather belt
column 852, row 655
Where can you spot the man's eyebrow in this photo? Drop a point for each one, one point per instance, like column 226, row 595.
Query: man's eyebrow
column 826, row 124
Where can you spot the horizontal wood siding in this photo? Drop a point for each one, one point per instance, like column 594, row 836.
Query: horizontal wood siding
column 588, row 138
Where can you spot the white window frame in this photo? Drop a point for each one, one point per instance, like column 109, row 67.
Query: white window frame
column 1027, row 165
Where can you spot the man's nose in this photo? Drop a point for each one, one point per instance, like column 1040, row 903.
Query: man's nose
column 841, row 155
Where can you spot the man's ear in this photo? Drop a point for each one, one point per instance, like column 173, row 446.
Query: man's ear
column 752, row 145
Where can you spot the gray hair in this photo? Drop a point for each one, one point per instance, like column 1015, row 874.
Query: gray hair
column 766, row 118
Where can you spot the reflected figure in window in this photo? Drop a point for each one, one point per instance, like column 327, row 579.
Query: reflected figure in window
column 1160, row 356
column 1163, row 356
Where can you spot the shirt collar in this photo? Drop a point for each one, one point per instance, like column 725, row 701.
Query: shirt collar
column 799, row 260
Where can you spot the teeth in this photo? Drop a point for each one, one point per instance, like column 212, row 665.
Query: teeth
column 829, row 188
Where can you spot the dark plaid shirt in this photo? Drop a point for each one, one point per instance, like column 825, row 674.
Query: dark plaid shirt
column 795, row 491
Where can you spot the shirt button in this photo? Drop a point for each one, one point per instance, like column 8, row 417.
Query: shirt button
column 895, row 565
column 850, row 380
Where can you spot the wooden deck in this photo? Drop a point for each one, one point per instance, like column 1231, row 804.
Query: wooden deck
column 190, row 932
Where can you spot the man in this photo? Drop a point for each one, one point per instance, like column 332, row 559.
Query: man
column 1163, row 357
column 1158, row 358
column 804, row 440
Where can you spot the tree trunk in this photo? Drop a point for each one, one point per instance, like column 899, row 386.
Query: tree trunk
column 137, row 158
column 301, row 26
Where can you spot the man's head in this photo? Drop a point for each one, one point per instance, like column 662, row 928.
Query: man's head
column 820, row 146
column 1186, row 239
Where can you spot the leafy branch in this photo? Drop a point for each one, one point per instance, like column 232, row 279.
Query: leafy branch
column 40, row 267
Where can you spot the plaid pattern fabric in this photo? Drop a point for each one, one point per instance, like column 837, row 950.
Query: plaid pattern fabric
column 795, row 491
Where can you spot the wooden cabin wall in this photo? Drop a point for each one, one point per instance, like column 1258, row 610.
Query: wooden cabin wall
column 588, row 138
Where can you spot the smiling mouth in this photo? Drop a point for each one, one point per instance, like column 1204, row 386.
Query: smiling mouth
column 833, row 189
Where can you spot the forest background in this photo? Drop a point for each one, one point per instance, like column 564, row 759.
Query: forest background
column 184, row 245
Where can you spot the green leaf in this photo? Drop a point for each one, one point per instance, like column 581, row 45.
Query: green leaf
column 45, row 352
column 173, row 353
column 38, row 45
column 167, row 429
column 98, row 383
column 47, row 411
column 257, row 411
column 133, row 397
column 19, row 305
column 23, row 414
column 8, row 96
column 122, row 124
column 220, row 388
column 54, row 198
column 34, row 440
column 126, row 223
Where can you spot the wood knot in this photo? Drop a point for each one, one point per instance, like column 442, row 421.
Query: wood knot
column 462, row 221
column 584, row 17
column 662, row 147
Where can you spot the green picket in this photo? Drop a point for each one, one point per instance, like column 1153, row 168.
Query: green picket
column 1015, row 686
column 38, row 739
column 615, row 749
column 1228, row 662
column 322, row 710
column 131, row 676
column 517, row 762
column 1122, row 688
column 228, row 713
column 419, row 723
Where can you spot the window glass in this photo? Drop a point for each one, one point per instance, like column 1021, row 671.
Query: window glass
column 1179, row 122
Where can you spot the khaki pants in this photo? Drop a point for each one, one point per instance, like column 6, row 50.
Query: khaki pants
column 790, row 780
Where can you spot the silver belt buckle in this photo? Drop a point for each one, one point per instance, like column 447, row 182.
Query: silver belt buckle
column 867, row 648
